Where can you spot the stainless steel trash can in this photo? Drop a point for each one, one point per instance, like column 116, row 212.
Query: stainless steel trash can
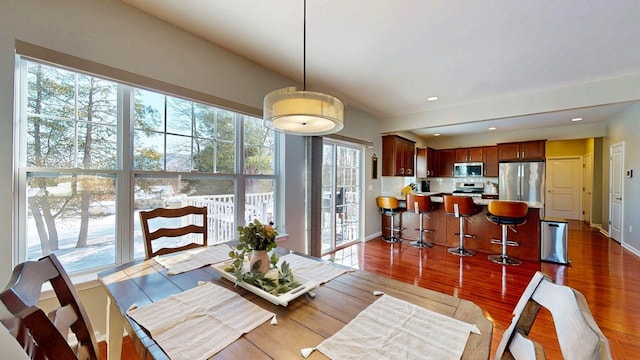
column 553, row 240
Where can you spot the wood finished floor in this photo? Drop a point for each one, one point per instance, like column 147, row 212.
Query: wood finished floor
column 600, row 268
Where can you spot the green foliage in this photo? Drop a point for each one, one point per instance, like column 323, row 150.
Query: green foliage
column 285, row 283
column 257, row 236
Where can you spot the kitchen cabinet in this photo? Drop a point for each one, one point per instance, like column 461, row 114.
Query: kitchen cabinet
column 469, row 154
column 490, row 160
column 425, row 162
column 522, row 151
column 445, row 160
column 398, row 156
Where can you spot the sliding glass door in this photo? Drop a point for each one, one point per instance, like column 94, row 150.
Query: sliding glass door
column 341, row 193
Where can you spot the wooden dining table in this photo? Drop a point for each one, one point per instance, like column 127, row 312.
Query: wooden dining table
column 305, row 322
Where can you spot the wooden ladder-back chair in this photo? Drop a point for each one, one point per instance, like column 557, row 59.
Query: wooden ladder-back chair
column 45, row 336
column 579, row 336
column 193, row 228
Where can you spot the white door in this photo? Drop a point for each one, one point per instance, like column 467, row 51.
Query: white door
column 564, row 188
column 587, row 189
column 616, row 191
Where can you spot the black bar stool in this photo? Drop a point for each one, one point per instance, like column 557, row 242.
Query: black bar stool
column 461, row 207
column 421, row 205
column 506, row 214
column 389, row 206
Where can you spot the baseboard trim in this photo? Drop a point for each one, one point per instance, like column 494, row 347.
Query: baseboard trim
column 373, row 236
column 632, row 250
column 604, row 232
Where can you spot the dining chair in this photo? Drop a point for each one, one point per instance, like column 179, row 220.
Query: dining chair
column 45, row 336
column 193, row 222
column 577, row 332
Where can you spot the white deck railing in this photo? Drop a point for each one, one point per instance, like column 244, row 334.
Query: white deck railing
column 221, row 215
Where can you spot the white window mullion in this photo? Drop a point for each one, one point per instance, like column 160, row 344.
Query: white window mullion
column 240, row 176
column 124, row 230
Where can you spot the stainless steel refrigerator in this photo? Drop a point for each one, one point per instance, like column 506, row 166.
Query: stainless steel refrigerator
column 522, row 181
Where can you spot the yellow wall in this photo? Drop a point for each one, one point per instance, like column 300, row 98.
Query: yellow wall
column 589, row 146
column 576, row 147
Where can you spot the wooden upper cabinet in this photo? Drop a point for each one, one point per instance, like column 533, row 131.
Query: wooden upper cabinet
column 445, row 161
column 490, row 160
column 425, row 162
column 522, row 151
column 398, row 156
column 533, row 150
column 469, row 154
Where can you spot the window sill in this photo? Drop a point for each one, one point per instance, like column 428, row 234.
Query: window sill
column 80, row 282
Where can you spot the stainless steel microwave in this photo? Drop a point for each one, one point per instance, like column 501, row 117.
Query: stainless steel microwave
column 473, row 169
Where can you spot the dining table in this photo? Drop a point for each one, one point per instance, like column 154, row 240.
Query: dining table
column 305, row 321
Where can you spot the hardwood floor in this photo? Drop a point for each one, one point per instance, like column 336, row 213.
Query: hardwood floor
column 600, row 268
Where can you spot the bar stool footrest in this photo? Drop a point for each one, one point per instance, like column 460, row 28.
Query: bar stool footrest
column 509, row 242
column 473, row 236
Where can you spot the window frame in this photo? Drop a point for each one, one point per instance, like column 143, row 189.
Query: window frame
column 124, row 173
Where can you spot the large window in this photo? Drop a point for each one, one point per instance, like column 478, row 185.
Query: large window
column 94, row 152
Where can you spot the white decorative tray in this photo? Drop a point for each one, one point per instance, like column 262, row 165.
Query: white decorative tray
column 282, row 299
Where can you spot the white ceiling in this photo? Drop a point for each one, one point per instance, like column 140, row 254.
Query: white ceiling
column 387, row 56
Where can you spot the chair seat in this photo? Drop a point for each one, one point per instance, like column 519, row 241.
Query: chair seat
column 503, row 220
column 390, row 212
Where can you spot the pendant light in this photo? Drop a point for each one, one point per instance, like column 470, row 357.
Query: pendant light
column 303, row 112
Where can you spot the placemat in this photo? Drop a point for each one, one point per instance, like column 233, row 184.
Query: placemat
column 194, row 258
column 392, row 328
column 312, row 269
column 199, row 322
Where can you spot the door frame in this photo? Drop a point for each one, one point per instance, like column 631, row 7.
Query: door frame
column 587, row 178
column 611, row 174
column 359, row 227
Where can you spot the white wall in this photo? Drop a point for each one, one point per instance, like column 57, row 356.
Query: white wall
column 488, row 138
column 363, row 126
column 114, row 34
column 626, row 127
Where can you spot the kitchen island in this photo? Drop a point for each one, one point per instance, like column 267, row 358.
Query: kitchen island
column 527, row 235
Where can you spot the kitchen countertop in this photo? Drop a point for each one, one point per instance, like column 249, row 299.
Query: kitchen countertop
column 436, row 196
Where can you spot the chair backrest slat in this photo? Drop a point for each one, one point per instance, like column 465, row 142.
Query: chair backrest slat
column 190, row 213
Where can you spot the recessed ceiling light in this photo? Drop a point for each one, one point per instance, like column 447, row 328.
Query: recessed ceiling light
column 576, row 119
column 432, row 98
column 492, row 128
column 436, row 134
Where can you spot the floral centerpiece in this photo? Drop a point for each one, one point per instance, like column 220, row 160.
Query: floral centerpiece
column 409, row 189
column 257, row 239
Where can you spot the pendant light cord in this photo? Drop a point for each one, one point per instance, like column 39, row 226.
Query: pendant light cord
column 304, row 48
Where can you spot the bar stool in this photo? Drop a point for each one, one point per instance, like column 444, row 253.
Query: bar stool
column 506, row 214
column 389, row 206
column 461, row 207
column 421, row 205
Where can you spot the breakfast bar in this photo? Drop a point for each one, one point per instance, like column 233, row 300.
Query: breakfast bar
column 444, row 227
